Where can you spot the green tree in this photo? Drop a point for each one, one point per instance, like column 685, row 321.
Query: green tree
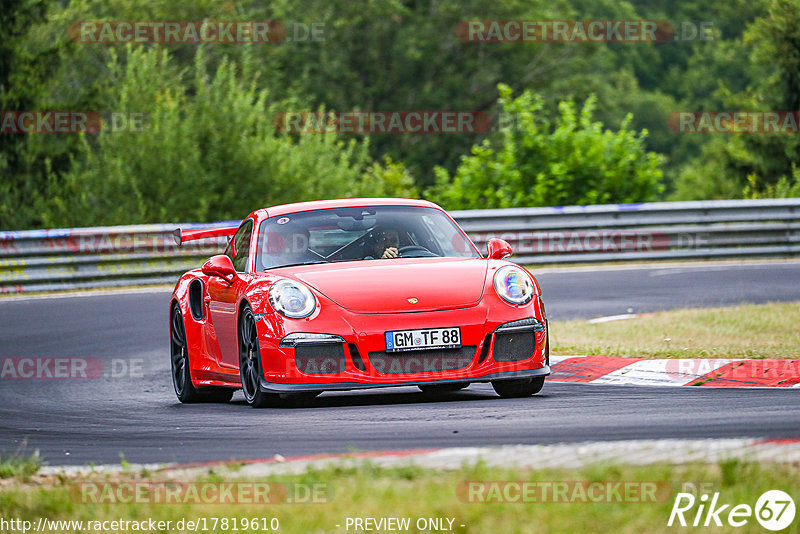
column 535, row 163
column 24, row 68
column 406, row 55
column 381, row 55
column 208, row 150
column 784, row 188
column 773, row 83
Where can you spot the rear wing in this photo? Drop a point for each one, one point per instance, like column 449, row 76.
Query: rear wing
column 181, row 236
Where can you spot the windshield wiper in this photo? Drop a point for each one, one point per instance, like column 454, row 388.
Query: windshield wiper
column 296, row 264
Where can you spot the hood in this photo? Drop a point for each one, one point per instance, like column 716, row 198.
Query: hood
column 385, row 286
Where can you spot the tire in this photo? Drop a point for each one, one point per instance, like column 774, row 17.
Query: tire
column 179, row 365
column 443, row 388
column 525, row 387
column 250, row 369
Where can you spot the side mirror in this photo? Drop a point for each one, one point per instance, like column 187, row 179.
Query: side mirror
column 498, row 249
column 222, row 266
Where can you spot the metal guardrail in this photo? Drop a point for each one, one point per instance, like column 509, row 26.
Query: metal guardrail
column 651, row 231
column 44, row 260
column 79, row 258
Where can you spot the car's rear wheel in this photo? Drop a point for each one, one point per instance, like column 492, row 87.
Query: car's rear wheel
column 250, row 369
column 179, row 364
column 524, row 387
column 443, row 388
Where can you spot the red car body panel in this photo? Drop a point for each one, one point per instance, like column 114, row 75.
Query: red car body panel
column 385, row 287
column 360, row 302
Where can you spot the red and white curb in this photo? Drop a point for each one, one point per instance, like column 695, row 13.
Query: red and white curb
column 676, row 372
column 563, row 455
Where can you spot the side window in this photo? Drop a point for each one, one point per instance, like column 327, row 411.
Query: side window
column 239, row 248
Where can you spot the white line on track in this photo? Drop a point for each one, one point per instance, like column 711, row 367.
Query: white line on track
column 610, row 318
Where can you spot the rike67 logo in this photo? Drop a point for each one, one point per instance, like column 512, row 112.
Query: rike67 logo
column 774, row 510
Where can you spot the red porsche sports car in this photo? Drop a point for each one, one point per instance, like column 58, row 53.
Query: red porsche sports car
column 354, row 293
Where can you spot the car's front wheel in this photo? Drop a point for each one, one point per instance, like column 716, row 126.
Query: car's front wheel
column 179, row 364
column 524, row 387
column 250, row 369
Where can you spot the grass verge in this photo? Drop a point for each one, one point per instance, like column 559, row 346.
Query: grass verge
column 19, row 466
column 416, row 493
column 747, row 331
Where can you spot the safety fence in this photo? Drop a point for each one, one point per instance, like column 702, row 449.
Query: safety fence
column 44, row 260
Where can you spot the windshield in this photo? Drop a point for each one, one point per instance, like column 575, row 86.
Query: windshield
column 359, row 234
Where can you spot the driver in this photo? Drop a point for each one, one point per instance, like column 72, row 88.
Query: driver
column 289, row 247
column 386, row 243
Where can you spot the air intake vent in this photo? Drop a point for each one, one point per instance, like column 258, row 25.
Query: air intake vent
column 196, row 299
column 513, row 347
column 320, row 359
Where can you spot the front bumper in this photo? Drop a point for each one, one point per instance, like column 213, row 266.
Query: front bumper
column 272, row 387
column 360, row 360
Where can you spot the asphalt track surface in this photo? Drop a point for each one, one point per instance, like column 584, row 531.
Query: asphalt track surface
column 85, row 421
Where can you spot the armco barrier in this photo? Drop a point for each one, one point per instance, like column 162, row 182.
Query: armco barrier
column 76, row 258
column 653, row 231
column 42, row 260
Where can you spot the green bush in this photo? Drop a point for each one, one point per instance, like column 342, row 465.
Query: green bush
column 20, row 465
column 785, row 187
column 208, row 149
column 536, row 163
column 389, row 179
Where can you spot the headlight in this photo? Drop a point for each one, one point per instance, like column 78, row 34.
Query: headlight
column 513, row 285
column 292, row 299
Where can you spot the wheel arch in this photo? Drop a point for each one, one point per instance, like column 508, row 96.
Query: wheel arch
column 242, row 303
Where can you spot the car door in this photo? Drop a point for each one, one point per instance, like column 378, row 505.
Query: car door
column 224, row 296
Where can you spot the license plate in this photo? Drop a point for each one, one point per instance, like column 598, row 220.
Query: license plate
column 429, row 338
